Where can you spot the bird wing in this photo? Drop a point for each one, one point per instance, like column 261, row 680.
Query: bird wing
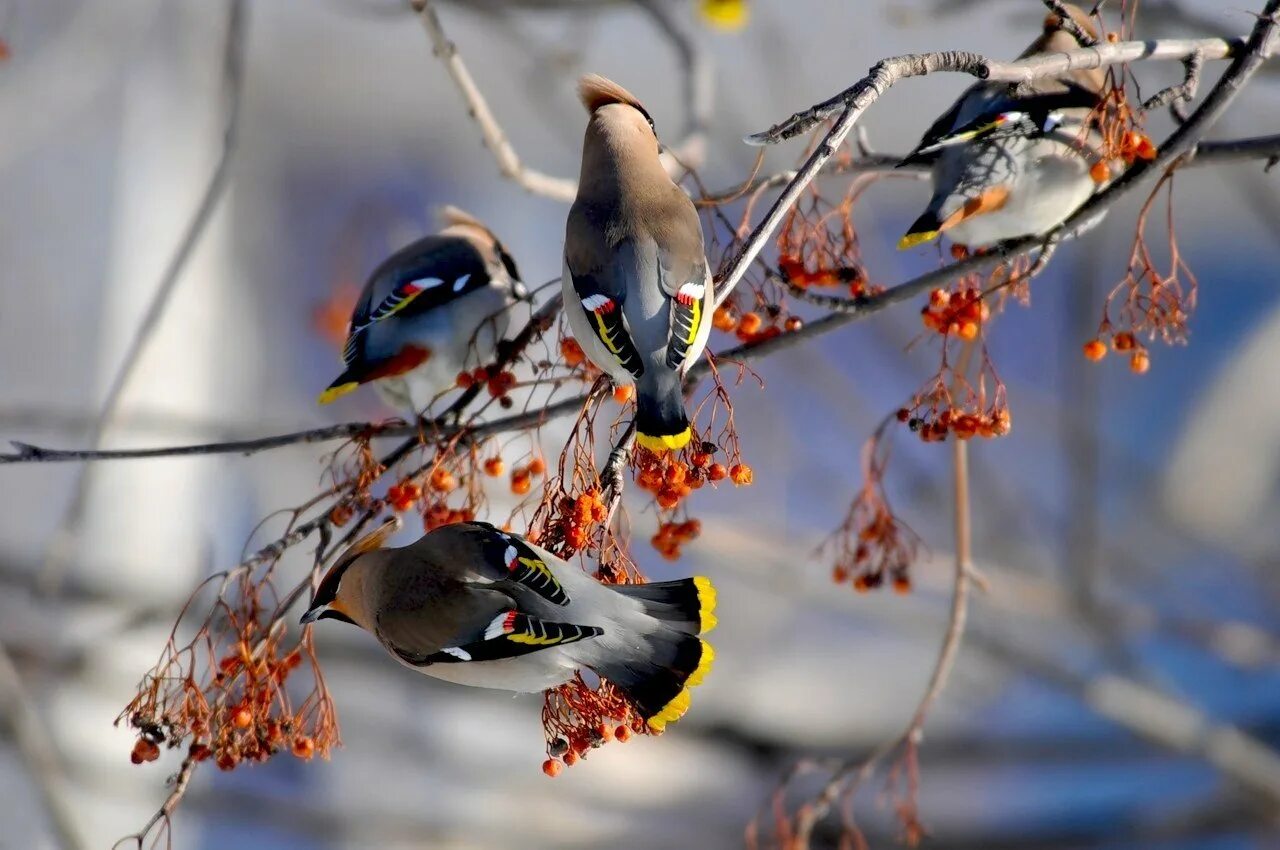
column 509, row 634
column 423, row 276
column 501, row 556
column 602, row 290
column 686, row 285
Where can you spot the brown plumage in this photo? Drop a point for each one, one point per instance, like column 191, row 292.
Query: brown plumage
column 596, row 91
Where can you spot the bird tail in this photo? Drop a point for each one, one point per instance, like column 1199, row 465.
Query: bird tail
column 675, row 659
column 348, row 381
column 661, row 423
column 924, row 229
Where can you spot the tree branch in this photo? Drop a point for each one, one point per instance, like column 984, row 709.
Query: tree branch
column 886, row 72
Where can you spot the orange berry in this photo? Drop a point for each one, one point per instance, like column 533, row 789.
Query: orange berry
column 901, row 584
column 464, row 380
column 144, row 750
column 443, row 481
column 1100, row 172
column 623, row 393
column 792, row 268
column 493, row 467
column 1139, row 362
column 303, row 747
column 668, row 498
column 571, row 758
column 605, row 731
column 1123, row 341
column 741, row 475
column 242, row 717
column 969, row 331
column 1147, row 148
column 723, row 319
column 521, row 483
column 537, row 466
column 341, row 515
column 793, row 324
column 750, row 324
column 622, row 733
column 698, row 460
column 571, row 351
column 939, row 298
column 676, row 474
column 959, row 252
column 1095, row 349
column 717, row 472
column 552, row 767
column 1113, row 37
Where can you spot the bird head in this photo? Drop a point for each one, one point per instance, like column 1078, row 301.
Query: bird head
column 616, row 114
column 338, row 596
column 459, row 223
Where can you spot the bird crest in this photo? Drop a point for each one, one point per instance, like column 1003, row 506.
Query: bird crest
column 596, row 91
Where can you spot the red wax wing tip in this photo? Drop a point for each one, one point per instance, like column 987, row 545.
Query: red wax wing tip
column 409, row 358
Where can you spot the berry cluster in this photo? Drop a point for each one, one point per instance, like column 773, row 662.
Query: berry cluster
column 751, row 326
column 872, row 543
column 241, row 714
column 671, row 477
column 579, row 516
column 794, row 270
column 499, row 382
column 577, row 719
column 522, row 476
column 960, row 314
column 934, row 423
column 672, row 536
column 1122, row 342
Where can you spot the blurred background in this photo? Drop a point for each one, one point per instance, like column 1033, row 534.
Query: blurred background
column 1119, row 685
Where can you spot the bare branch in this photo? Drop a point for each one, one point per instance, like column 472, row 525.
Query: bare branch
column 1068, row 23
column 557, row 188
column 886, row 72
column 698, row 97
column 1183, row 92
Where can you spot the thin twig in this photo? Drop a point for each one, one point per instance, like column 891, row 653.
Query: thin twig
column 837, row 786
column 1183, row 92
column 495, row 139
column 886, row 72
column 1068, row 23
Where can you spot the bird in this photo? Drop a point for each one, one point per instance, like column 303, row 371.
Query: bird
column 475, row 605
column 427, row 311
column 637, row 286
column 1009, row 164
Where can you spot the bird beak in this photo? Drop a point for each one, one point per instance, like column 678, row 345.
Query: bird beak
column 313, row 614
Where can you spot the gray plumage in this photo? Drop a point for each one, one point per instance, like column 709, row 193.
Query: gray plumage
column 433, row 308
column 1024, row 176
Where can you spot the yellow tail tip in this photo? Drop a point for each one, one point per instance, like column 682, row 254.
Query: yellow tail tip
column 679, row 704
column 911, row 240
column 728, row 15
column 706, row 604
column 661, row 444
column 335, row 392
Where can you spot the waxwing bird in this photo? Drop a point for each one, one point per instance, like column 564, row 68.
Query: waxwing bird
column 637, row 287
column 1006, row 166
column 427, row 311
column 471, row 604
